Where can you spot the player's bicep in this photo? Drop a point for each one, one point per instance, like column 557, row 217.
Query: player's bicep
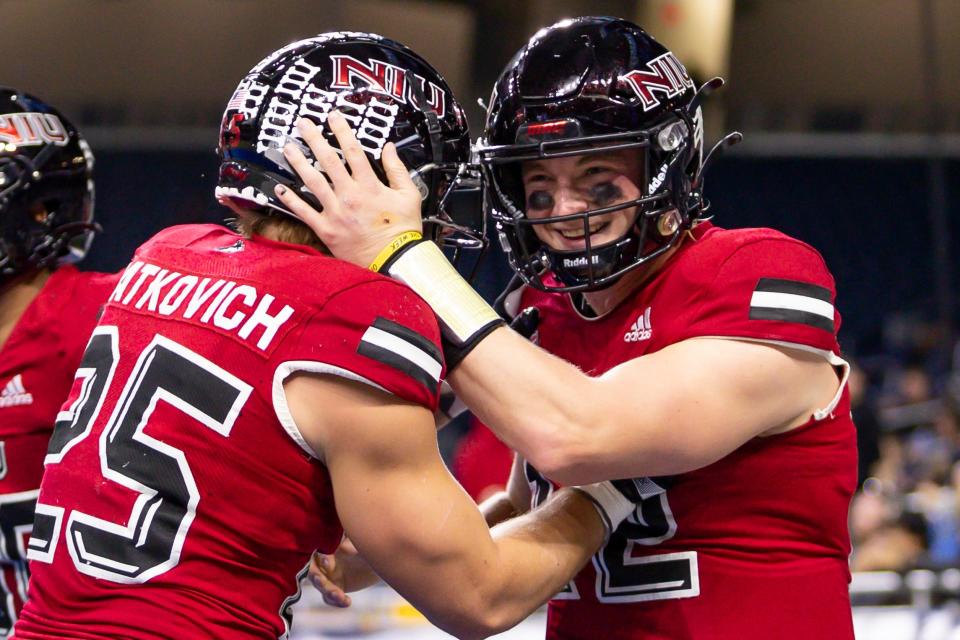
column 395, row 498
column 705, row 397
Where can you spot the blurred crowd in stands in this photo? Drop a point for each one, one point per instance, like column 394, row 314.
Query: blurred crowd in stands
column 906, row 405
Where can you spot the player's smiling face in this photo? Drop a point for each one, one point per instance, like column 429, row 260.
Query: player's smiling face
column 566, row 186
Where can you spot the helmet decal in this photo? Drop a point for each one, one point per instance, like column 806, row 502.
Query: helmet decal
column 666, row 76
column 31, row 129
column 388, row 79
column 386, row 93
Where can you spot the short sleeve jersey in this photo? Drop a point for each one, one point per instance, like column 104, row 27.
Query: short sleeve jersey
column 179, row 495
column 36, row 370
column 755, row 545
column 40, row 355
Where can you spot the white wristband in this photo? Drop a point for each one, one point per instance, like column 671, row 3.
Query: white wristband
column 613, row 506
column 460, row 309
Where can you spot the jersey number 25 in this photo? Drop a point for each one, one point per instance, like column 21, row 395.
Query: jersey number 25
column 150, row 542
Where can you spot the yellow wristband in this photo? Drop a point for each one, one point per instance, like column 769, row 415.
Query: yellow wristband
column 395, row 245
column 460, row 309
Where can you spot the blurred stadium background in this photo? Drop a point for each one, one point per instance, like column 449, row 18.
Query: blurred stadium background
column 851, row 116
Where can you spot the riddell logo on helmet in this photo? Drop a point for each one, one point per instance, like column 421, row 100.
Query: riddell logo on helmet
column 580, row 262
column 385, row 78
column 31, row 129
column 658, row 179
column 666, row 76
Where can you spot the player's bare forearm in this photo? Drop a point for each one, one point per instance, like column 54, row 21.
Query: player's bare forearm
column 668, row 412
column 537, row 540
column 538, row 405
column 500, row 580
column 416, row 526
column 357, row 573
column 498, row 508
column 343, row 572
column 511, row 502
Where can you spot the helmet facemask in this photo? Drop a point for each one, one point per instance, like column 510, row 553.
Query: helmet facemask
column 670, row 154
column 584, row 86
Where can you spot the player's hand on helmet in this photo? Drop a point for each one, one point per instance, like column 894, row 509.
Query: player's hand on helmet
column 337, row 574
column 361, row 215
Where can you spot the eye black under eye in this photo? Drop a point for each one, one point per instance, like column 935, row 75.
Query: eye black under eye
column 540, row 200
column 605, row 193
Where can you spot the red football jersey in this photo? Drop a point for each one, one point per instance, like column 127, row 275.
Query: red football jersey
column 179, row 498
column 36, row 370
column 481, row 462
column 751, row 547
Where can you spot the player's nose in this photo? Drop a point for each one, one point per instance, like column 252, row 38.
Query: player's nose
column 568, row 201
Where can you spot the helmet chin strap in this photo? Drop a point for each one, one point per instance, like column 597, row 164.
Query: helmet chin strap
column 433, row 131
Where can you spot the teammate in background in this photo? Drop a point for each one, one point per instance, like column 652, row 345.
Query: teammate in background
column 47, row 307
column 702, row 361
column 238, row 383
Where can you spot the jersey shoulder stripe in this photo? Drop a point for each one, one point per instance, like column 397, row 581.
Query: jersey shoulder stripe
column 792, row 301
column 403, row 349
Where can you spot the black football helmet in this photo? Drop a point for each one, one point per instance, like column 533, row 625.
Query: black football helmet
column 585, row 86
column 386, row 92
column 46, row 187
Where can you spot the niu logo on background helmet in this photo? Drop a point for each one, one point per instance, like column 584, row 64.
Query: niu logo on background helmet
column 31, row 129
column 45, row 164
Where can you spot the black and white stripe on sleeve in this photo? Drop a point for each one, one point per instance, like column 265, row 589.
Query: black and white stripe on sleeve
column 792, row 301
column 403, row 349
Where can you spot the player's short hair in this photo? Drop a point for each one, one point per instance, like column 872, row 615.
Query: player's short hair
column 284, row 229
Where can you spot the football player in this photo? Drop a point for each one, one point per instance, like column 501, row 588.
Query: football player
column 246, row 399
column 701, row 361
column 47, row 307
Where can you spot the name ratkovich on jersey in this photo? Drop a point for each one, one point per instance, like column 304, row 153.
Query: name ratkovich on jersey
column 179, row 499
column 755, row 545
column 36, row 370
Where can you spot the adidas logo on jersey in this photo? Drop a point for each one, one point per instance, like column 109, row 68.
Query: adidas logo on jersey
column 640, row 330
column 14, row 394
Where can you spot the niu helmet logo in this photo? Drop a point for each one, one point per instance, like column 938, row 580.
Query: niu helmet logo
column 641, row 329
column 666, row 76
column 31, row 129
column 387, row 79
